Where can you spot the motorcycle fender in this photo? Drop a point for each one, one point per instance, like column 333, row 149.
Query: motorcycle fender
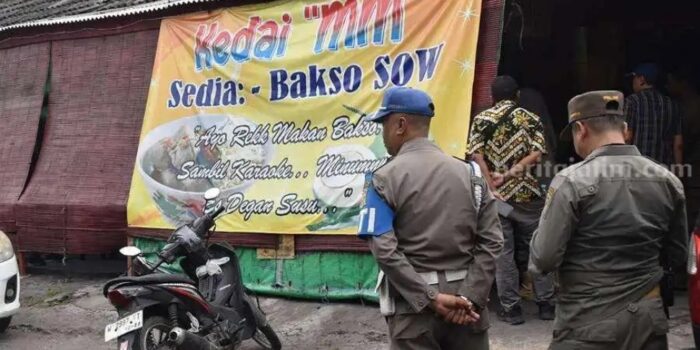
column 260, row 319
column 143, row 304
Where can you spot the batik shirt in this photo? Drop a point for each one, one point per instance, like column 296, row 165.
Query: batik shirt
column 511, row 142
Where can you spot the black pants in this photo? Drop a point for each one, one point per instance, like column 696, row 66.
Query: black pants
column 518, row 228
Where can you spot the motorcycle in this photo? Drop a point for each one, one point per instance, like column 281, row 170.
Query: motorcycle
column 164, row 311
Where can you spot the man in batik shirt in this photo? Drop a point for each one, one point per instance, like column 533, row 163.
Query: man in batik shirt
column 508, row 142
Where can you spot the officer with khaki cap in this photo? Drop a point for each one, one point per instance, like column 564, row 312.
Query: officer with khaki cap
column 608, row 222
column 433, row 227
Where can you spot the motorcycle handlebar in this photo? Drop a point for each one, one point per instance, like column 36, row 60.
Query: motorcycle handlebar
column 218, row 211
column 157, row 265
column 202, row 224
column 200, row 227
column 169, row 252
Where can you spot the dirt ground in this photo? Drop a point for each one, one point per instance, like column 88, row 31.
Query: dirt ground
column 60, row 313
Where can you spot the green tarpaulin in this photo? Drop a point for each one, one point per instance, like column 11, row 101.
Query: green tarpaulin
column 314, row 275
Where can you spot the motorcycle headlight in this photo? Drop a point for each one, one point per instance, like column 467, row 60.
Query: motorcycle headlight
column 6, row 252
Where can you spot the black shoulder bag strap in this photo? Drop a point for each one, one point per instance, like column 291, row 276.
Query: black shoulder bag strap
column 488, row 132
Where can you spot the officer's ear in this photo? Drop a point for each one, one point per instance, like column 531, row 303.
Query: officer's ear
column 580, row 127
column 402, row 124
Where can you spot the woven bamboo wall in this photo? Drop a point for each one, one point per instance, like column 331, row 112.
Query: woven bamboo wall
column 76, row 199
column 22, row 77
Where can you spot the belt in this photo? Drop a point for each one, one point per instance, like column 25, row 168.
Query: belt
column 451, row 276
column 653, row 294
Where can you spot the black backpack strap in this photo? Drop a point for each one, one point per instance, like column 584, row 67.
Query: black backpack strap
column 477, row 180
column 488, row 133
column 478, row 184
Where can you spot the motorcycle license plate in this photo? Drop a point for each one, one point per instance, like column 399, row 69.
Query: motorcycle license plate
column 124, row 325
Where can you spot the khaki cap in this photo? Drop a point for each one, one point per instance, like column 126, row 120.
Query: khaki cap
column 594, row 104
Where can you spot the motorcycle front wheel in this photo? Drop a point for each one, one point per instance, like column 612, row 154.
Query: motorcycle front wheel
column 267, row 338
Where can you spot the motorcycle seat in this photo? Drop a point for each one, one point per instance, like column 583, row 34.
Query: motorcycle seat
column 162, row 278
column 156, row 278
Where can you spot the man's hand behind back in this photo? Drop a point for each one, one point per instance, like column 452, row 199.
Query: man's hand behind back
column 497, row 179
column 454, row 309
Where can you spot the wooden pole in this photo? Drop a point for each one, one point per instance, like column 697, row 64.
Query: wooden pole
column 129, row 241
column 21, row 263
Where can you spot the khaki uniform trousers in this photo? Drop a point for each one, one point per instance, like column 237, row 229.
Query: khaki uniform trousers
column 427, row 331
column 641, row 326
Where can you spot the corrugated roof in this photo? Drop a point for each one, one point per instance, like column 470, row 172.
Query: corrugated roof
column 32, row 13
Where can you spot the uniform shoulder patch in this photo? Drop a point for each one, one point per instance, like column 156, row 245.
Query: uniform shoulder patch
column 554, row 186
column 557, row 181
column 550, row 193
column 376, row 216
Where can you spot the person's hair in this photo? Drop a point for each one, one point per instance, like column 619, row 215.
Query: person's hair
column 604, row 123
column 650, row 80
column 504, row 87
column 418, row 121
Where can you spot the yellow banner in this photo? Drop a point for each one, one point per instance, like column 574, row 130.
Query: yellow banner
column 268, row 102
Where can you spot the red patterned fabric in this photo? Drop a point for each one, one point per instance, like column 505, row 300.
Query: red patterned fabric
column 487, row 53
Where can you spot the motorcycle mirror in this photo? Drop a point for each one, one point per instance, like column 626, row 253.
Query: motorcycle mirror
column 130, row 251
column 212, row 193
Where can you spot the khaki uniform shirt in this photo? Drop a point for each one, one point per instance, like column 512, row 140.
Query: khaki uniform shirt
column 607, row 222
column 436, row 226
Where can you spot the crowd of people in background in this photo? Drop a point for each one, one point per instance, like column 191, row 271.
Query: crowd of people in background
column 604, row 235
column 683, row 84
column 663, row 121
column 663, row 117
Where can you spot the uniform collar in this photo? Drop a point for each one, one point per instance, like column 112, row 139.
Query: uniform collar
column 615, row 150
column 421, row 143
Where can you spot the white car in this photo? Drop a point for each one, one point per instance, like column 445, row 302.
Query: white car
column 9, row 282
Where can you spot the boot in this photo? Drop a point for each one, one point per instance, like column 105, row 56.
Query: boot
column 514, row 316
column 546, row 311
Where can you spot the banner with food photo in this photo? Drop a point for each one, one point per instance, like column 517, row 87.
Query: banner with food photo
column 268, row 103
